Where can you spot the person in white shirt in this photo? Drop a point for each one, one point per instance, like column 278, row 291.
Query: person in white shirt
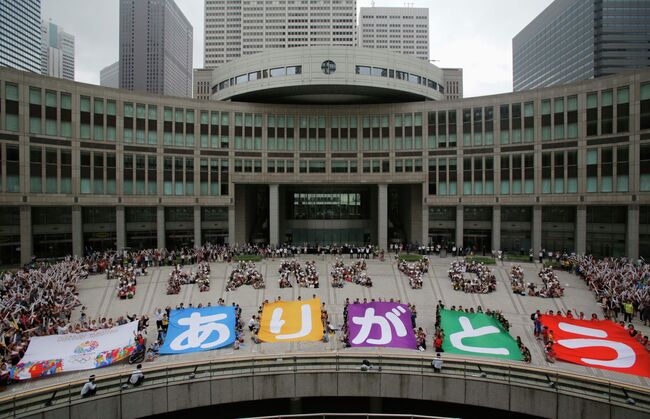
column 437, row 363
column 90, row 388
column 137, row 376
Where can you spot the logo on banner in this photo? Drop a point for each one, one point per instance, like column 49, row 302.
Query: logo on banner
column 381, row 324
column 477, row 334
column 291, row 321
column 86, row 347
column 599, row 344
column 200, row 329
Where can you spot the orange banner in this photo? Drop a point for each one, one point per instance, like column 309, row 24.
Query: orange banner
column 291, row 321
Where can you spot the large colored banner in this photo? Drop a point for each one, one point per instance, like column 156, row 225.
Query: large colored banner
column 199, row 329
column 370, row 325
column 599, row 344
column 48, row 355
column 291, row 321
column 477, row 334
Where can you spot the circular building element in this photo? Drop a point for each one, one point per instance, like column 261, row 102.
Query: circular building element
column 328, row 66
column 327, row 75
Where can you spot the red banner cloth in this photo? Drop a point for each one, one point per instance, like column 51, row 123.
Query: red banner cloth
column 599, row 344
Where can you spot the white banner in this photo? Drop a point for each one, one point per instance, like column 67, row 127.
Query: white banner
column 48, row 355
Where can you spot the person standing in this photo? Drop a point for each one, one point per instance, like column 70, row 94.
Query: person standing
column 437, row 363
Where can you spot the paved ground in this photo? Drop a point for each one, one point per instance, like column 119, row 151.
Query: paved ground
column 100, row 297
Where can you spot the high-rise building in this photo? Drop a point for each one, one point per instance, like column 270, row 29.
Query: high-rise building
column 57, row 52
column 233, row 29
column 399, row 29
column 20, row 34
column 109, row 76
column 581, row 39
column 155, row 48
column 453, row 81
column 201, row 83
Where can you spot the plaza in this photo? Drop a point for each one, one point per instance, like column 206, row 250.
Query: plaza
column 100, row 297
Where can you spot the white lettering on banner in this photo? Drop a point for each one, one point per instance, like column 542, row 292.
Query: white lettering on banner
column 625, row 356
column 369, row 319
column 275, row 326
column 199, row 330
column 456, row 339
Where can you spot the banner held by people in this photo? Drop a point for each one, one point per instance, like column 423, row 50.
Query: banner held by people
column 49, row 355
column 477, row 334
column 381, row 324
column 199, row 329
column 291, row 321
column 597, row 343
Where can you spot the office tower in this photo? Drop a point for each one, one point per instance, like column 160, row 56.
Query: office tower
column 109, row 76
column 581, row 39
column 400, row 29
column 57, row 52
column 20, row 34
column 453, row 82
column 233, row 29
column 155, row 48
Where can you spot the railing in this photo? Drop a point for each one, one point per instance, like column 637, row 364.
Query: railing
column 111, row 384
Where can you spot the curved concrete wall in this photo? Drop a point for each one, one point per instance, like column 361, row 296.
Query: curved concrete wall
column 156, row 399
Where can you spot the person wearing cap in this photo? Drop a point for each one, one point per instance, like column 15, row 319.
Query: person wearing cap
column 90, row 388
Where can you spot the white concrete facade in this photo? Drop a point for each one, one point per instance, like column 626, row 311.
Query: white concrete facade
column 235, row 29
column 453, row 82
column 399, row 29
column 57, row 52
column 109, row 76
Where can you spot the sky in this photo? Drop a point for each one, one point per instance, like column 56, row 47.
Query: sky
column 475, row 35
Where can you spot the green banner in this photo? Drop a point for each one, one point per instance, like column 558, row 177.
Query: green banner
column 477, row 334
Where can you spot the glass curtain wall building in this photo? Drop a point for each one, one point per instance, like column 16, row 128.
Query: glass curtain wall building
column 575, row 40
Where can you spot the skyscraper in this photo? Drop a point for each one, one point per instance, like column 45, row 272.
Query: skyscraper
column 453, row 79
column 581, row 39
column 109, row 76
column 400, row 29
column 20, row 34
column 155, row 48
column 233, row 29
column 57, row 52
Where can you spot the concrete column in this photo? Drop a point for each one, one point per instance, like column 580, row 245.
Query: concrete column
column 496, row 228
column 425, row 225
column 231, row 225
column 120, row 227
column 26, row 250
column 274, row 215
column 581, row 230
column 160, row 221
column 537, row 228
column 632, row 237
column 459, row 226
column 382, row 216
column 197, row 226
column 77, row 232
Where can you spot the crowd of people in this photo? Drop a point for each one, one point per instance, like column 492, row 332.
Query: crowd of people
column 622, row 286
column 551, row 287
column 414, row 271
column 306, row 278
column 178, row 277
column 127, row 277
column 481, row 279
column 245, row 273
column 355, row 273
column 37, row 300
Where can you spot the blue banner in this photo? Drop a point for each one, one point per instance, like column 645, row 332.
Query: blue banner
column 199, row 329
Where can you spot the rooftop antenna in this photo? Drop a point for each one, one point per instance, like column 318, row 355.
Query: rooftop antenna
column 372, row 3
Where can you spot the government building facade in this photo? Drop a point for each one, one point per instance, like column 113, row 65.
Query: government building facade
column 560, row 168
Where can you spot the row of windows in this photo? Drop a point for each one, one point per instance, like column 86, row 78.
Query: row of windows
column 50, row 113
column 50, row 171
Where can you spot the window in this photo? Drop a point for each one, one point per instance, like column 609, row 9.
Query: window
column 623, row 109
column 592, row 170
column 592, row 114
column 11, row 107
column 35, row 110
column 607, row 113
